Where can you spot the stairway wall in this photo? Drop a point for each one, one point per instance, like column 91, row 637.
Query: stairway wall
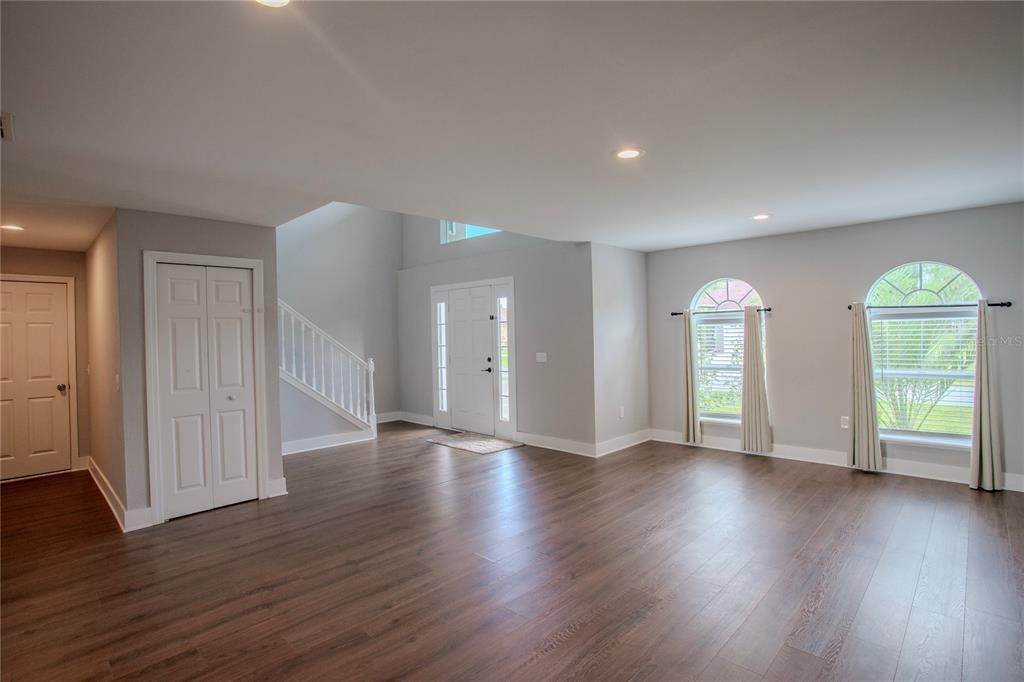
column 338, row 266
column 302, row 417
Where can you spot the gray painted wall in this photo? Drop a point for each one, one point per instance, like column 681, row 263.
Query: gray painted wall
column 338, row 266
column 302, row 417
column 139, row 231
column 17, row 261
column 106, row 444
column 809, row 278
column 620, row 341
column 554, row 314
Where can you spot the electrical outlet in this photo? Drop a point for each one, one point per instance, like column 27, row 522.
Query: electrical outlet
column 844, row 422
column 622, row 411
column 542, row 357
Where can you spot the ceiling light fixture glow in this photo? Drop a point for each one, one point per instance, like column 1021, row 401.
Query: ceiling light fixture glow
column 15, row 228
column 761, row 216
column 630, row 153
column 274, row 3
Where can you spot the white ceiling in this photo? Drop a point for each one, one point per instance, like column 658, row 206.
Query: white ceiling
column 507, row 114
column 65, row 228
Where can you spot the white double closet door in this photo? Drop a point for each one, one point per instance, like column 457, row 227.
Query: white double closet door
column 207, row 401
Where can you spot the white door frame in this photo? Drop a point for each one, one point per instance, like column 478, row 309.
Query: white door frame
column 150, row 259
column 69, row 283
column 442, row 419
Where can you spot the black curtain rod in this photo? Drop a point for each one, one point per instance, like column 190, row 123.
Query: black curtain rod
column 1000, row 304
column 722, row 312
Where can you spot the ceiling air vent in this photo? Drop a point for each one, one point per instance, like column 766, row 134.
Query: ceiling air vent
column 6, row 126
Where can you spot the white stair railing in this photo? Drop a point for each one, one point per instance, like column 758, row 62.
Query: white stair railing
column 322, row 368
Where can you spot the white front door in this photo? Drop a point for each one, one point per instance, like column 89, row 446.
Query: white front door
column 207, row 400
column 35, row 408
column 472, row 363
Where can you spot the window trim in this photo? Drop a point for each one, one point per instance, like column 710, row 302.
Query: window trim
column 724, row 420
column 926, row 440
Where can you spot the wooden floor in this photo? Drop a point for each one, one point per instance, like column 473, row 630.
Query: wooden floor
column 405, row 559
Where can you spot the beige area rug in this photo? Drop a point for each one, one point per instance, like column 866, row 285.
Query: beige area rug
column 474, row 442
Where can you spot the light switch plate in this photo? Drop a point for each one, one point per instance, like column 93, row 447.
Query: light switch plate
column 542, row 357
column 844, row 422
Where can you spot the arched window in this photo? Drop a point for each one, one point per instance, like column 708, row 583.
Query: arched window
column 718, row 330
column 923, row 325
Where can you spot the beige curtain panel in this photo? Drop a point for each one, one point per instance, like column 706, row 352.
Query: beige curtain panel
column 691, row 416
column 865, row 448
column 754, row 421
column 986, row 457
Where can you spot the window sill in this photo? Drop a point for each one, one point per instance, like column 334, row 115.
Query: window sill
column 729, row 421
column 950, row 443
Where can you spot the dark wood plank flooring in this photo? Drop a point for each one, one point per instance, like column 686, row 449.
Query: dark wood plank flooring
column 403, row 559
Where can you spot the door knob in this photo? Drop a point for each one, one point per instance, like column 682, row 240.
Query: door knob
column 231, row 397
column 486, row 370
column 62, row 387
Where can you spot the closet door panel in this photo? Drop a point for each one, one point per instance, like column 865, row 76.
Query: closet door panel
column 232, row 393
column 184, row 396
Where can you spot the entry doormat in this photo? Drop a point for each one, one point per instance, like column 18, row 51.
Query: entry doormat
column 474, row 442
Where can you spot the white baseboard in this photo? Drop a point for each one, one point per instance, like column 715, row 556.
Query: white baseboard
column 277, row 487
column 421, row 419
column 128, row 519
column 330, row 440
column 900, row 467
column 611, row 445
column 411, row 417
column 574, row 447
column 137, row 519
column 107, row 490
column 663, row 436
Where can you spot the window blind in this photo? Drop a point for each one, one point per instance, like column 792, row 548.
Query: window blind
column 719, row 345
column 924, row 371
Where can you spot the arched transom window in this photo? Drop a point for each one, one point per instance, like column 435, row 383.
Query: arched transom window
column 924, row 284
column 718, row 331
column 725, row 294
column 923, row 319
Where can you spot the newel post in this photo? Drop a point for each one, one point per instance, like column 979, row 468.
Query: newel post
column 372, row 411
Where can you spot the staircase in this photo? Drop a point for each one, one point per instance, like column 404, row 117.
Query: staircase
column 322, row 368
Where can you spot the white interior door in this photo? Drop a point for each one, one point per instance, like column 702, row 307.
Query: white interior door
column 232, row 394
column 35, row 408
column 207, row 399
column 471, row 351
column 184, row 389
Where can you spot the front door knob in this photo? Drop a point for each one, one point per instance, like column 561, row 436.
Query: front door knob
column 486, row 370
column 62, row 387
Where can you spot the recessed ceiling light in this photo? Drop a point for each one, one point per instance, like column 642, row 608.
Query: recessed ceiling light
column 630, row 153
column 274, row 3
column 16, row 228
column 762, row 216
